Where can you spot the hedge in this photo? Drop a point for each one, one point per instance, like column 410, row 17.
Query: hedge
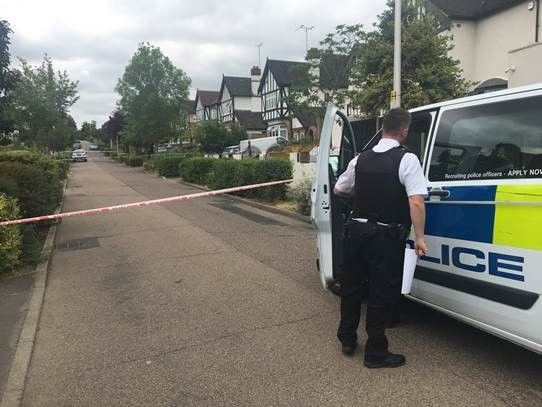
column 196, row 170
column 221, row 173
column 134, row 161
column 34, row 179
column 10, row 236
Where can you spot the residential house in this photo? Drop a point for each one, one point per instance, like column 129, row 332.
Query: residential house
column 206, row 105
column 239, row 103
column 192, row 120
column 278, row 76
column 497, row 42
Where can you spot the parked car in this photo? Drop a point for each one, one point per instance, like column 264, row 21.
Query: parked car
column 93, row 146
column 230, row 150
column 79, row 155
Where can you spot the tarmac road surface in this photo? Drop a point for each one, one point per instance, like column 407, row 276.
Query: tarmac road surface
column 213, row 303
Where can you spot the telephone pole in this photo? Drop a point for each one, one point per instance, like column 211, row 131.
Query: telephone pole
column 395, row 97
column 306, row 29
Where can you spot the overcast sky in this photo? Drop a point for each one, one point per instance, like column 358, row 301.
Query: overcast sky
column 94, row 40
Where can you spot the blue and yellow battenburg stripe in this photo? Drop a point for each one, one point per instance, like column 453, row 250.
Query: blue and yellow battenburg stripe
column 502, row 224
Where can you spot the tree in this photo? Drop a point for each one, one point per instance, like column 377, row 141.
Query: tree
column 8, row 80
column 153, row 94
column 213, row 137
column 89, row 131
column 111, row 129
column 429, row 74
column 325, row 76
column 40, row 106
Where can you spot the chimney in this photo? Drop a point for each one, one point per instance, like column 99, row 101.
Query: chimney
column 255, row 75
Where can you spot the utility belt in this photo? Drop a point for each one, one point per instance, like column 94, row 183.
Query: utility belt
column 362, row 229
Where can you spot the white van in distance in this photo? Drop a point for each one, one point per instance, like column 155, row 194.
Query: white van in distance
column 482, row 157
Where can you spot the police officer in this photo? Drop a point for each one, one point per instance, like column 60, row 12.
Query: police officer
column 388, row 189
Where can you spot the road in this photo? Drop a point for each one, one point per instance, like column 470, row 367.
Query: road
column 213, row 303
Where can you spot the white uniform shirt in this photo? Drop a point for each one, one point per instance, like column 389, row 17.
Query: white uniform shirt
column 410, row 171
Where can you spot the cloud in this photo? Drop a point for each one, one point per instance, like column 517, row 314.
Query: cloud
column 94, row 41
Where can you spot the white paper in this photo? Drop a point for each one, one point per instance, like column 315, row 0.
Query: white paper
column 408, row 270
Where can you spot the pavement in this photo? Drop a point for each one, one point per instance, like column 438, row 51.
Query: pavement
column 214, row 303
column 14, row 296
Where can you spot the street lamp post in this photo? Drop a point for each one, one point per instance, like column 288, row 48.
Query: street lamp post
column 395, row 99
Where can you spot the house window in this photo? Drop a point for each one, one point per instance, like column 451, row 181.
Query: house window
column 271, row 101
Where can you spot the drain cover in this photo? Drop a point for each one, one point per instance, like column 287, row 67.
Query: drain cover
column 79, row 244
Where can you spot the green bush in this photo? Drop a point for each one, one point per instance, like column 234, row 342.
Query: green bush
column 107, row 153
column 221, row 174
column 232, row 173
column 149, row 166
column 168, row 165
column 38, row 192
column 196, row 170
column 272, row 169
column 301, row 195
column 10, row 236
column 113, row 155
column 134, row 161
column 50, row 165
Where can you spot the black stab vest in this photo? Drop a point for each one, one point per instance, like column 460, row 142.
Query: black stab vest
column 378, row 194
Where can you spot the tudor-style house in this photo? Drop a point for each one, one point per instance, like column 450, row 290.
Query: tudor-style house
column 497, row 42
column 206, row 105
column 278, row 76
column 239, row 103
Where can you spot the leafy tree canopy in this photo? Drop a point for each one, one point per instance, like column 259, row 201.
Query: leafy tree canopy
column 40, row 106
column 112, row 128
column 152, row 97
column 213, row 136
column 8, row 79
column 429, row 74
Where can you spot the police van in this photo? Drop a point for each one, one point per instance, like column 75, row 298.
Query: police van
column 482, row 158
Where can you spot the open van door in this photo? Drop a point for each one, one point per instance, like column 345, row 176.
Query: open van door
column 328, row 212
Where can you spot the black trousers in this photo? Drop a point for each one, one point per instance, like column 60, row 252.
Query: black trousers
column 373, row 255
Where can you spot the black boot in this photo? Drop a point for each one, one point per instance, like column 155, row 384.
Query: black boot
column 389, row 360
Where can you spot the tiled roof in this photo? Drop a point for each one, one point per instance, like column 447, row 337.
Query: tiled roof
column 250, row 120
column 237, row 86
column 333, row 71
column 207, row 97
column 472, row 9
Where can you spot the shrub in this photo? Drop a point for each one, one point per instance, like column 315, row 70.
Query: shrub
column 10, row 236
column 38, row 192
column 149, row 166
column 113, row 155
column 168, row 165
column 301, row 195
column 272, row 169
column 134, row 161
column 196, row 170
column 107, row 153
column 232, row 173
column 48, row 164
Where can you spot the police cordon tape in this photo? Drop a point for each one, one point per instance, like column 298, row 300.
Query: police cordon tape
column 143, row 203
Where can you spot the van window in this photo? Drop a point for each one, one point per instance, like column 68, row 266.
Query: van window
column 418, row 133
column 500, row 140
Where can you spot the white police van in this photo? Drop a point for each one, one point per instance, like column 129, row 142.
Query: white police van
column 482, row 157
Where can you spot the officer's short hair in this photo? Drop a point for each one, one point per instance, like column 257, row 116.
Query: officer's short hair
column 396, row 120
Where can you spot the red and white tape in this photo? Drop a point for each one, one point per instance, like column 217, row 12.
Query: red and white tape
column 142, row 203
